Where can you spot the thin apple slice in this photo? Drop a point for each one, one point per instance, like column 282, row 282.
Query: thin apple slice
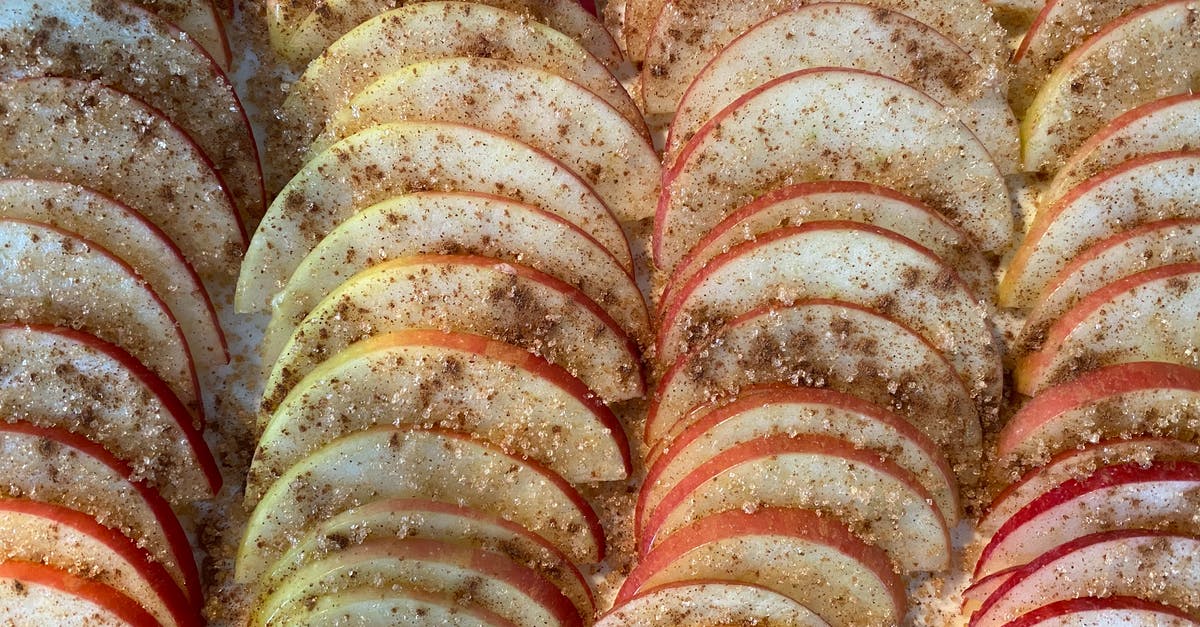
column 36, row 594
column 444, row 522
column 1107, row 75
column 59, row 377
column 74, row 542
column 812, row 559
column 1156, row 566
column 1117, row 610
column 505, row 301
column 695, row 603
column 846, row 261
column 544, row 110
column 400, row 158
column 840, row 200
column 502, row 393
column 1148, row 316
column 857, row 126
column 394, row 463
column 637, row 24
column 90, row 135
column 199, row 19
column 368, row 605
column 1159, row 186
column 57, row 278
column 130, row 49
column 885, row 42
column 137, row 241
column 59, row 467
column 689, row 33
column 460, row 223
column 882, row 502
column 977, row 593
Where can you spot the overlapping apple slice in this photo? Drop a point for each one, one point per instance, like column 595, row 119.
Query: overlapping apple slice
column 469, row 383
column 199, row 19
column 134, row 51
column 1107, row 76
column 36, row 594
column 399, row 608
column 460, row 223
column 633, row 25
column 400, row 463
column 544, row 110
column 886, row 42
column 855, row 126
column 505, row 301
column 400, row 158
column 1115, row 610
column 710, row 603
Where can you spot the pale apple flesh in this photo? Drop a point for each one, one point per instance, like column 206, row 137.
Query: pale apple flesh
column 1114, row 610
column 398, row 608
column 37, row 594
column 199, row 19
column 700, row 603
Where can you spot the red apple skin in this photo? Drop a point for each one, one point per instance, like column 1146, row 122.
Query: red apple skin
column 978, row 592
column 1151, row 613
column 95, row 592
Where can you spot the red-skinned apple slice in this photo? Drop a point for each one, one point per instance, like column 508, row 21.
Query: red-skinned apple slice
column 846, row 261
column 459, row 381
column 1153, row 565
column 978, row 592
column 696, row 603
column 390, row 463
column 56, row 466
column 1148, row 316
column 1162, row 495
column 134, row 51
column 533, row 106
column 893, row 135
column 444, row 522
column 57, row 278
column 74, row 542
column 878, row 499
column 1107, row 76
column 459, row 223
column 1118, row 610
column 395, row 159
column 505, row 301
column 813, row 559
column 59, row 377
column 840, row 200
column 398, row 608
column 128, row 235
column 886, row 42
column 122, row 148
column 197, row 18
column 36, row 594
column 1160, row 186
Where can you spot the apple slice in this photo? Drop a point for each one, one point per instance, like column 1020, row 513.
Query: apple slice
column 489, row 579
column 395, row 463
column 57, row 278
column 443, row 522
column 1148, row 316
column 399, row 608
column 58, row 377
column 89, row 135
column 1160, row 186
column 840, row 200
column 892, row 135
column 637, row 23
column 1015, row 15
column 1107, row 76
column 460, row 223
column 1156, row 566
column 846, row 261
column 977, row 593
column 544, row 110
column 36, row 594
column 56, row 466
column 505, row 301
column 199, row 19
column 459, row 381
column 689, row 33
column 400, row 158
column 137, row 241
column 810, row 558
column 1117, row 610
column 710, row 603
column 882, row 502
column 885, row 42
column 130, row 49
column 74, row 542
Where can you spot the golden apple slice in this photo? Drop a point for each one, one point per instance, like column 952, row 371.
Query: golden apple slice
column 32, row 593
column 544, row 110
column 696, row 603
column 885, row 42
column 401, row 463
column 505, row 301
column 502, row 393
column 892, row 135
column 400, row 158
column 199, row 19
column 1145, row 55
column 397, row 608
